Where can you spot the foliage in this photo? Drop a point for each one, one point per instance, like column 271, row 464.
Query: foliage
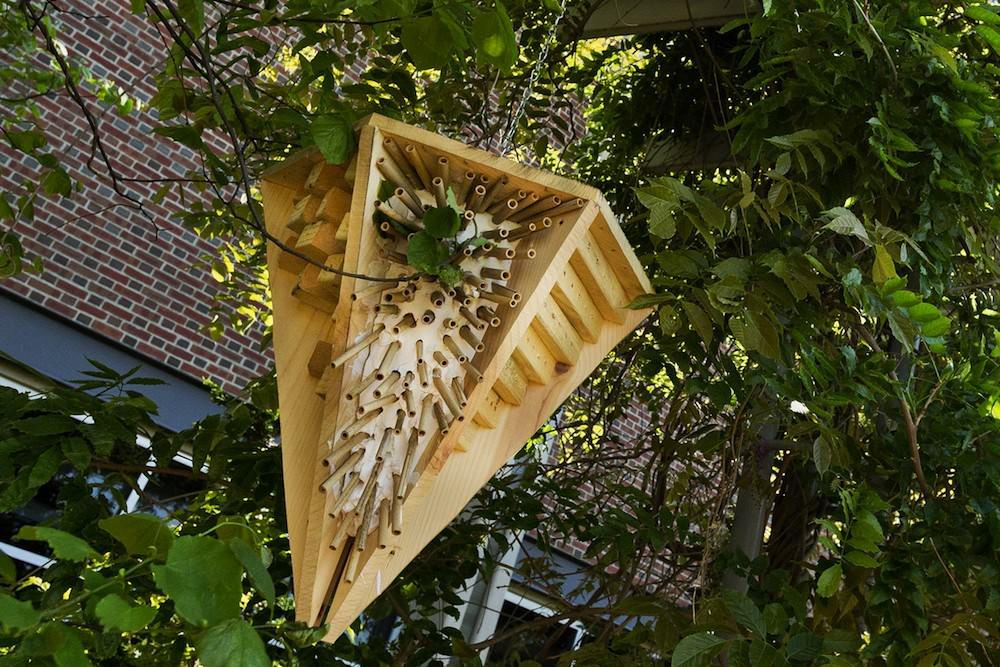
column 825, row 344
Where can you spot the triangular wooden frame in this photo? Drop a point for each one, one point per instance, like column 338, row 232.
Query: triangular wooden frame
column 572, row 312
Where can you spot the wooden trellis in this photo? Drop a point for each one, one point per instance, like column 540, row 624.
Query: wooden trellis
column 399, row 400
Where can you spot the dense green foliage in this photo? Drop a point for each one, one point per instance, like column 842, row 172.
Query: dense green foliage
column 826, row 342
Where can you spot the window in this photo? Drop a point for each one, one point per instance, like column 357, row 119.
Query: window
column 544, row 645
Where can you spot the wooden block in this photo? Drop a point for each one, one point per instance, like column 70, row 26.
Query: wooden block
column 619, row 253
column 574, row 300
column 535, row 360
column 319, row 240
column 331, row 281
column 287, row 260
column 319, row 361
column 343, row 227
column 321, row 294
column 489, row 412
column 304, row 213
column 335, row 203
column 325, row 176
column 511, row 384
column 597, row 276
column 557, row 333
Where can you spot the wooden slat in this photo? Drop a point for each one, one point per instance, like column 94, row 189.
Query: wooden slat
column 304, row 213
column 535, row 360
column 319, row 240
column 511, row 384
column 287, row 260
column 489, row 411
column 325, row 176
column 319, row 361
column 597, row 276
column 335, row 203
column 616, row 249
column 557, row 333
column 576, row 303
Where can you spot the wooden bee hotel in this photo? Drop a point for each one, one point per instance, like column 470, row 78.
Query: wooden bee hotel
column 467, row 297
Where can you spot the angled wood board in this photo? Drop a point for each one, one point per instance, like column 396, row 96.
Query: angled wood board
column 401, row 398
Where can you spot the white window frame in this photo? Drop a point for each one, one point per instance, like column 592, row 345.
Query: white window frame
column 533, row 603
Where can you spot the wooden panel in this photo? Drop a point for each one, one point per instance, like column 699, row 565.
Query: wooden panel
column 619, row 254
column 511, row 384
column 555, row 330
column 488, row 414
column 597, row 276
column 576, row 303
column 320, row 359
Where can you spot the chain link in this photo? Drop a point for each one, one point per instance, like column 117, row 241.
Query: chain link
column 536, row 71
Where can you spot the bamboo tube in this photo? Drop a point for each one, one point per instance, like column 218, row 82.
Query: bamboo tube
column 349, row 353
column 410, row 402
column 464, row 298
column 504, row 212
column 472, row 372
column 399, row 159
column 388, row 168
column 422, row 374
column 471, row 318
column 474, row 280
column 543, row 205
column 503, row 290
column 408, row 321
column 445, row 392
column 400, row 416
column 528, row 200
column 366, row 382
column 427, row 317
column 386, row 385
column 383, row 444
column 397, row 516
column 370, row 485
column 347, row 444
column 425, row 414
column 410, row 201
column 437, row 298
column 420, row 351
column 526, row 253
column 416, row 161
column 450, row 323
column 340, row 536
column 411, row 453
column 408, row 380
column 519, row 233
column 494, row 192
column 377, row 288
column 359, row 424
column 437, row 187
column 391, row 213
column 440, row 418
column 495, row 274
column 470, row 337
column 383, row 523
column 456, row 388
column 444, row 170
column 398, row 296
column 344, row 498
column 475, row 202
column 498, row 207
column 338, row 458
column 486, row 314
column 351, row 569
column 340, row 473
column 387, row 228
column 497, row 234
column 465, row 186
column 497, row 298
column 380, row 402
column 386, row 309
column 468, row 215
column 568, row 206
column 387, row 359
column 453, row 347
column 440, row 358
column 361, row 537
column 501, row 253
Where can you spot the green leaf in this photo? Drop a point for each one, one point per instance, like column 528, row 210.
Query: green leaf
column 843, row 221
column 935, row 328
column 333, row 136
column 745, row 612
column 822, row 453
column 185, row 135
column 923, row 312
column 829, row 581
column 804, row 647
column 203, row 578
column 64, row 545
column 904, row 298
column 699, row 321
column 141, row 534
column 193, row 12
column 867, row 527
column 56, row 182
column 442, row 222
column 17, row 614
column 138, row 6
column 254, row 567
column 429, row 42
column 450, row 275
column 883, row 268
column 775, row 618
column 47, row 425
column 70, row 652
column 983, row 14
column 493, row 35
column 670, row 322
column 860, row 559
column 991, row 36
column 8, row 571
column 697, row 650
column 115, row 613
column 426, row 253
column 232, row 642
column 644, row 301
column 76, row 452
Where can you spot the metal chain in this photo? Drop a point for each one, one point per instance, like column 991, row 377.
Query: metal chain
column 536, row 71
